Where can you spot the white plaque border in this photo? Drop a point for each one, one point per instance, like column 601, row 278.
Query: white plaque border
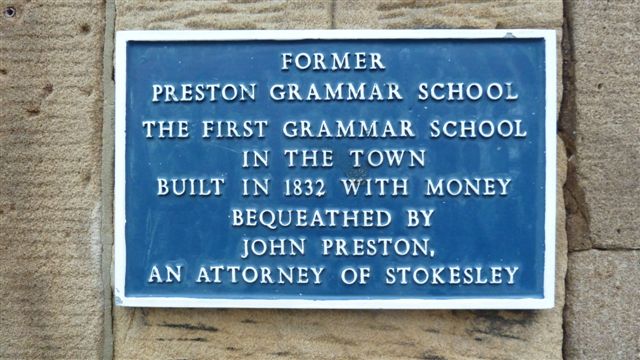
column 122, row 37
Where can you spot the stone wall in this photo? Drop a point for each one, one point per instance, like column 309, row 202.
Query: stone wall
column 56, row 153
column 51, row 288
column 602, row 124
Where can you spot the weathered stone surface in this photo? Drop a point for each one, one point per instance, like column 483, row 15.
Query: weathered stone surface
column 300, row 334
column 607, row 73
column 603, row 306
column 436, row 14
column 242, row 14
column 602, row 315
column 51, row 293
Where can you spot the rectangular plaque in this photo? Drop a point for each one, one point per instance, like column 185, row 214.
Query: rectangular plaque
column 410, row 169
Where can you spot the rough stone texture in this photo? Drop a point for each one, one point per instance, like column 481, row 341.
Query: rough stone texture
column 436, row 14
column 602, row 313
column 298, row 334
column 603, row 306
column 607, row 72
column 238, row 14
column 51, row 293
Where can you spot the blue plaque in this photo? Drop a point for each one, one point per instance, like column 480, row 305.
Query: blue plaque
column 335, row 169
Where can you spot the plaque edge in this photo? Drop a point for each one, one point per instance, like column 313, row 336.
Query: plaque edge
column 122, row 37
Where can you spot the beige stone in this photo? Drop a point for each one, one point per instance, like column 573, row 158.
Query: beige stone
column 607, row 71
column 341, row 334
column 435, row 14
column 603, row 306
column 242, row 14
column 602, row 315
column 51, row 292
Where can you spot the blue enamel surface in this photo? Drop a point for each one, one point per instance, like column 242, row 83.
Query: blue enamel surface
column 196, row 231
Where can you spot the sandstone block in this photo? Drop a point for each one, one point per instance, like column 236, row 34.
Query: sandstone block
column 245, row 15
column 51, row 289
column 443, row 14
column 603, row 308
column 607, row 71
